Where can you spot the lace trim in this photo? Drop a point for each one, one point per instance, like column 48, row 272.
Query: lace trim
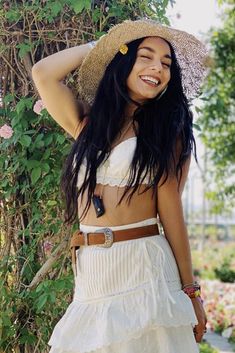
column 115, row 181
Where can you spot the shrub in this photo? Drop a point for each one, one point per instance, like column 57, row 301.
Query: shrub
column 225, row 272
column 206, row 348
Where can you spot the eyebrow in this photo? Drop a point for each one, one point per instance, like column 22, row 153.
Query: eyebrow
column 153, row 51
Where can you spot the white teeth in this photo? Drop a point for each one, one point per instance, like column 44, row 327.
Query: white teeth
column 150, row 79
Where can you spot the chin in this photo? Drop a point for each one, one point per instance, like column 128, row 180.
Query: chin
column 147, row 96
column 143, row 97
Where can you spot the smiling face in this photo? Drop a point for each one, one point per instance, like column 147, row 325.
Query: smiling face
column 151, row 71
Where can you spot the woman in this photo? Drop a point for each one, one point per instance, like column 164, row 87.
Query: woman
column 134, row 286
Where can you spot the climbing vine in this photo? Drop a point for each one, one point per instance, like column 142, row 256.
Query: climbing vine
column 36, row 279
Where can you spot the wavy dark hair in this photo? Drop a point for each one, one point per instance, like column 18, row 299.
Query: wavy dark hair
column 163, row 125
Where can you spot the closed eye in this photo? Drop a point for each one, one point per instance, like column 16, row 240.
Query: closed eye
column 144, row 56
column 167, row 65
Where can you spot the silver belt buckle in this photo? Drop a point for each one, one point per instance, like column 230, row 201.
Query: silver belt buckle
column 108, row 237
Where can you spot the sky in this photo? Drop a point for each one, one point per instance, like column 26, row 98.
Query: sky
column 194, row 16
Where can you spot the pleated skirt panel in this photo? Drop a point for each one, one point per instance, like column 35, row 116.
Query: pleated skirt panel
column 127, row 299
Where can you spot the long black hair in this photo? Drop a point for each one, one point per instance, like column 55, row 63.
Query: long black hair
column 162, row 124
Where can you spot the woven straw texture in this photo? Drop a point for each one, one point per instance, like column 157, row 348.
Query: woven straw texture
column 190, row 52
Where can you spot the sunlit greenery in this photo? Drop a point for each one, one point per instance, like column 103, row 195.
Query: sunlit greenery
column 218, row 114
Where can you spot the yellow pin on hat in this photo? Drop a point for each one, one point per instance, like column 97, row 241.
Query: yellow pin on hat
column 123, row 49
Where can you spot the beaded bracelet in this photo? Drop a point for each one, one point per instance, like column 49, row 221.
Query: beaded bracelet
column 193, row 290
column 195, row 283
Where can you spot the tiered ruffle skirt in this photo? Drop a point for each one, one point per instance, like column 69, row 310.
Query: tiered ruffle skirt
column 128, row 299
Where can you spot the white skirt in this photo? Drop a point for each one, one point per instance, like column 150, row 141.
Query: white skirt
column 127, row 299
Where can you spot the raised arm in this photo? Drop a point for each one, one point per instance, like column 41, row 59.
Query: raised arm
column 58, row 99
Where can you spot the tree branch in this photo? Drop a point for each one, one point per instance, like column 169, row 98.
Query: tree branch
column 48, row 264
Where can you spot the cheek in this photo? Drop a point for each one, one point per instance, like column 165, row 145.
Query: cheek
column 131, row 79
column 134, row 74
column 168, row 76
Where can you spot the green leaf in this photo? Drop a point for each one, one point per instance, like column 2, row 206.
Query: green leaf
column 60, row 285
column 39, row 144
column 27, row 337
column 46, row 154
column 13, row 15
column 52, row 203
column 60, row 139
column 8, row 98
column 197, row 127
column 48, row 139
column 6, row 320
column 24, row 48
column 56, row 7
column 52, row 297
column 24, row 104
column 45, row 167
column 35, row 175
column 100, row 34
column 79, row 6
column 42, row 301
column 32, row 163
column 40, row 287
column 25, row 140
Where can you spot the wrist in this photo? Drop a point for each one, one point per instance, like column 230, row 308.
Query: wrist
column 190, row 284
column 197, row 299
column 192, row 290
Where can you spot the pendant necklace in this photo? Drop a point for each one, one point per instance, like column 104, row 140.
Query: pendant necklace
column 97, row 200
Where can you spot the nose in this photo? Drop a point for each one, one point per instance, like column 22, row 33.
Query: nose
column 157, row 66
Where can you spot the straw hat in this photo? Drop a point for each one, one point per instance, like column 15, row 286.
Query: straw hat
column 190, row 52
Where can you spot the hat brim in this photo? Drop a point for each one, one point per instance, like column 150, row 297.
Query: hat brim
column 190, row 53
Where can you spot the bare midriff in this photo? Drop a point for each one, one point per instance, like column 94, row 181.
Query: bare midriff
column 142, row 206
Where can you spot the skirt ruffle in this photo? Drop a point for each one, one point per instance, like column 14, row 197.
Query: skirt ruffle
column 157, row 340
column 86, row 327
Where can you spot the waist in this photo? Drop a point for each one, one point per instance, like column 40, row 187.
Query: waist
column 92, row 228
column 105, row 236
column 141, row 206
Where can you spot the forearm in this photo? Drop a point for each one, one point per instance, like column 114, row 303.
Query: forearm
column 57, row 66
column 180, row 246
column 171, row 215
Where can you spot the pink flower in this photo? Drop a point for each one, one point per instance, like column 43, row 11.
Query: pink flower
column 38, row 106
column 6, row 131
column 47, row 246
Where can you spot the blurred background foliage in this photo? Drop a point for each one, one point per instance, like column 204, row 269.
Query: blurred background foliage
column 217, row 117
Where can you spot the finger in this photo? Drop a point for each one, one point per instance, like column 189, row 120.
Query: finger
column 198, row 333
column 198, row 336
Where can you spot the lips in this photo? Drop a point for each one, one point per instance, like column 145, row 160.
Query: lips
column 150, row 80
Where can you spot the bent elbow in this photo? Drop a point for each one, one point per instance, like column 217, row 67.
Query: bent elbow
column 38, row 71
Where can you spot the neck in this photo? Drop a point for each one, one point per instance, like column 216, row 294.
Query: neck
column 129, row 111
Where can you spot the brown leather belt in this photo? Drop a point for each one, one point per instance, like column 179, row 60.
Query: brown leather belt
column 105, row 237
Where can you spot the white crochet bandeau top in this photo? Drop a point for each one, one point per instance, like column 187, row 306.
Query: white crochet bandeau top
column 115, row 170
